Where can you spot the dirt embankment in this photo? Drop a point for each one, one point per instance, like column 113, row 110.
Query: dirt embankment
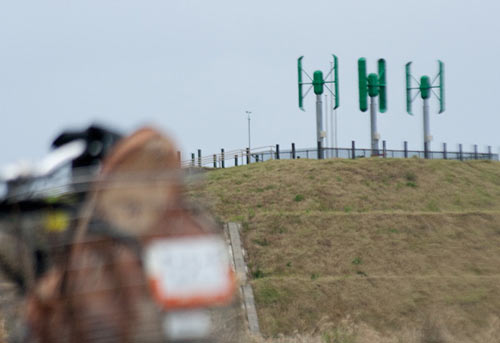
column 368, row 250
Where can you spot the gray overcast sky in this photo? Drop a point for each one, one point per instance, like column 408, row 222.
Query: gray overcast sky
column 193, row 67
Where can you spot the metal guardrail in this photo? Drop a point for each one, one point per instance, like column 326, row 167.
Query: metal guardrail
column 244, row 156
column 231, row 158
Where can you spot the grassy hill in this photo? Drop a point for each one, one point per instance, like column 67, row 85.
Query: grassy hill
column 368, row 250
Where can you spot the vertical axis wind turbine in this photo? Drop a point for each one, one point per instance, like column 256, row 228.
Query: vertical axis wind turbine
column 425, row 89
column 318, row 83
column 372, row 85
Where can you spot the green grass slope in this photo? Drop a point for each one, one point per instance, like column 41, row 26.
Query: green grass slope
column 375, row 250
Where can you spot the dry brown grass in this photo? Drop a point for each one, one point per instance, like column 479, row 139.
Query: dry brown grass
column 369, row 250
column 363, row 185
column 3, row 335
column 347, row 332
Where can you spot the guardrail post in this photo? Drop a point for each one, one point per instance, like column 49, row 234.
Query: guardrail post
column 384, row 149
column 199, row 158
column 248, row 155
column 222, row 158
column 235, row 160
column 445, row 153
column 277, row 151
column 406, row 149
column 192, row 159
column 293, row 151
column 460, row 153
column 475, row 151
column 353, row 150
column 489, row 153
column 215, row 161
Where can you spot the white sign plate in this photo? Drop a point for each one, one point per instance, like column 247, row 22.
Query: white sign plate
column 189, row 271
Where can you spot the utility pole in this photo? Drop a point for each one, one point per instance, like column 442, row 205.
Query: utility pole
column 248, row 115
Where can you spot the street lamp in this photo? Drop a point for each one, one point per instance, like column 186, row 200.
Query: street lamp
column 248, row 114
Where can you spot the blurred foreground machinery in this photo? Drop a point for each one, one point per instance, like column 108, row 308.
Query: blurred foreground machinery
column 102, row 246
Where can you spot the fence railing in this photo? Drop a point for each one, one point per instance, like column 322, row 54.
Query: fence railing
column 225, row 158
column 245, row 156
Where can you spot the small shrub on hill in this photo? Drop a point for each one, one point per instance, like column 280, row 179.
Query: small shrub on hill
column 299, row 197
column 357, row 260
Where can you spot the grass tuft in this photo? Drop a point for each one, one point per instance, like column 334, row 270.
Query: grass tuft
column 299, row 197
column 357, row 261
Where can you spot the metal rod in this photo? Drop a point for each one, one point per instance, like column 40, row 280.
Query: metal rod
column 336, row 130
column 427, row 133
column 336, row 143
column 249, row 137
column 333, row 113
column 326, row 114
column 249, row 141
column 319, row 126
column 373, row 123
column 319, row 119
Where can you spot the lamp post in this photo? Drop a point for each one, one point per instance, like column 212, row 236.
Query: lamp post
column 248, row 115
